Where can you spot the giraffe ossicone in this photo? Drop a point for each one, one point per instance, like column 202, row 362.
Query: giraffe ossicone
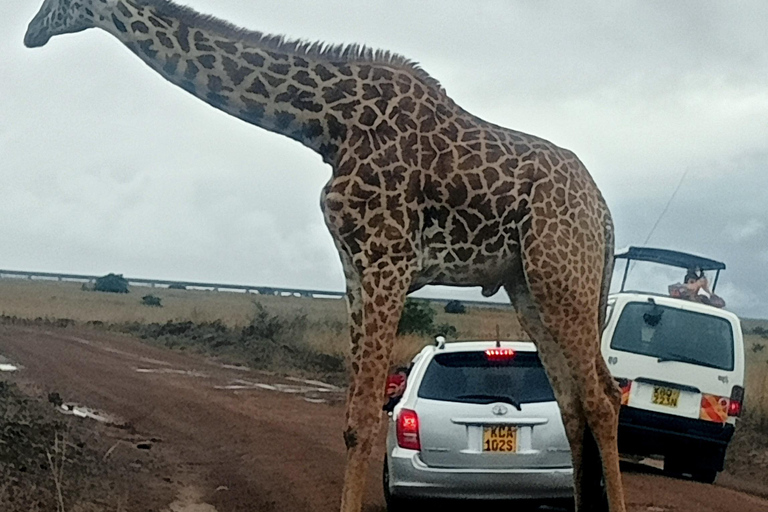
column 422, row 192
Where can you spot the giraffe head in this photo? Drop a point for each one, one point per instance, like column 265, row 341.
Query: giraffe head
column 58, row 17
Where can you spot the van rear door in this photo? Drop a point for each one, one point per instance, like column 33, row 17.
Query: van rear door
column 678, row 361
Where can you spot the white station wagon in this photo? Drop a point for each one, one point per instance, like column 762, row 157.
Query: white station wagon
column 478, row 420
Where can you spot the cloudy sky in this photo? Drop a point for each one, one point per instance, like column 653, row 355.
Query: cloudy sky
column 105, row 167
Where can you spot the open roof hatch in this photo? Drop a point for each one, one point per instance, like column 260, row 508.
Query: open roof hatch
column 668, row 257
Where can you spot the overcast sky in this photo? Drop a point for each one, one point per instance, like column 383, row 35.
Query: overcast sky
column 106, row 167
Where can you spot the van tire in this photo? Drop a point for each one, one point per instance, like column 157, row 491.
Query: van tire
column 677, row 466
column 705, row 476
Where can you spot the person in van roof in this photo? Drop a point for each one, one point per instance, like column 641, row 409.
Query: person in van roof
column 696, row 289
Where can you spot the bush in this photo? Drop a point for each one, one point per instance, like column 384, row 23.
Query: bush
column 455, row 307
column 758, row 347
column 177, row 286
column 112, row 283
column 418, row 318
column 151, row 300
column 447, row 330
column 271, row 341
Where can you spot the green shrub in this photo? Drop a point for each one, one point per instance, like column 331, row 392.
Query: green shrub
column 418, row 318
column 112, row 283
column 455, row 307
column 151, row 300
column 447, row 330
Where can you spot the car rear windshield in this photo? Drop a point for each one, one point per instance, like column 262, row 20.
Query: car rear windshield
column 471, row 377
column 671, row 334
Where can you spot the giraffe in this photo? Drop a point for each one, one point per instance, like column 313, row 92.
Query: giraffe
column 421, row 192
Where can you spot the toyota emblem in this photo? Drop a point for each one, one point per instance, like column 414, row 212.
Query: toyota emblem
column 499, row 410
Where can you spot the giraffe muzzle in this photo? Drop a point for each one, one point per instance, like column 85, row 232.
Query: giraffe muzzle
column 36, row 35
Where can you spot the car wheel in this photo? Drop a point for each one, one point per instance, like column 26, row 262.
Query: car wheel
column 394, row 503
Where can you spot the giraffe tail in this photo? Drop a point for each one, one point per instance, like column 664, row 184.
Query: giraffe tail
column 607, row 269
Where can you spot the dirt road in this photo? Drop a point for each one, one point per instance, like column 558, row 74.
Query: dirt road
column 251, row 441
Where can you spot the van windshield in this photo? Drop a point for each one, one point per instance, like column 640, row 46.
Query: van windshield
column 671, row 334
column 471, row 377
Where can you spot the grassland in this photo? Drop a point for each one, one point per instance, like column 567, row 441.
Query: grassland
column 311, row 326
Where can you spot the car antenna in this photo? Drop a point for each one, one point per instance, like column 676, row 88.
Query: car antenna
column 498, row 337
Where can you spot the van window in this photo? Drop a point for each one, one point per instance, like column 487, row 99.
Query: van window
column 671, row 334
column 471, row 377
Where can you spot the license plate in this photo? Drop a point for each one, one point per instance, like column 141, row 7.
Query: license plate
column 668, row 397
column 500, row 439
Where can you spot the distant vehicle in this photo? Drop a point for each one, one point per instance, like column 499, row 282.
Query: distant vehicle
column 477, row 420
column 680, row 366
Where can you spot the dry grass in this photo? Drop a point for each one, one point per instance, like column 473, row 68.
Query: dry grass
column 57, row 300
column 756, row 386
column 52, row 300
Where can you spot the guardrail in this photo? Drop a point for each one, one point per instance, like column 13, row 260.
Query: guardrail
column 260, row 290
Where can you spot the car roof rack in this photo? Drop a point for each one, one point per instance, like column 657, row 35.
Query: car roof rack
column 668, row 257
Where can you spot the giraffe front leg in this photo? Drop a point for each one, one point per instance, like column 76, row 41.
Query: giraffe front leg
column 373, row 325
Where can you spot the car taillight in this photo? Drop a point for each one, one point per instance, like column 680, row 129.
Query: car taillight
column 408, row 430
column 499, row 354
column 737, row 397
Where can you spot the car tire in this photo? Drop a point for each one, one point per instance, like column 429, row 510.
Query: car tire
column 394, row 503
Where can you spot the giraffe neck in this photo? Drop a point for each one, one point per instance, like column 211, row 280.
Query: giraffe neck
column 243, row 73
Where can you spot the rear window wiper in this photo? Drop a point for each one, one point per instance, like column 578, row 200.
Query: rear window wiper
column 685, row 359
column 496, row 398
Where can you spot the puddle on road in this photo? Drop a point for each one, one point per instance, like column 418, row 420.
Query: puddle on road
column 190, row 500
column 6, row 365
column 171, row 371
column 236, row 367
column 312, row 394
column 318, row 383
column 86, row 412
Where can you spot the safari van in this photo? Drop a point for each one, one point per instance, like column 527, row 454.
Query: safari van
column 680, row 366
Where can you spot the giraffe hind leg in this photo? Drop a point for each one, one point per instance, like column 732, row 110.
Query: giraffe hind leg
column 558, row 371
column 566, row 296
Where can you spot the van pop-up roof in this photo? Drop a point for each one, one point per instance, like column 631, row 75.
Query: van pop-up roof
column 668, row 257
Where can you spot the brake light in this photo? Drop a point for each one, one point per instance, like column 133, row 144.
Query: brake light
column 499, row 354
column 408, row 430
column 737, row 397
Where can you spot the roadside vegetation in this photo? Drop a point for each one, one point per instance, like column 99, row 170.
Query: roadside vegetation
column 309, row 336
column 284, row 334
column 55, row 463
